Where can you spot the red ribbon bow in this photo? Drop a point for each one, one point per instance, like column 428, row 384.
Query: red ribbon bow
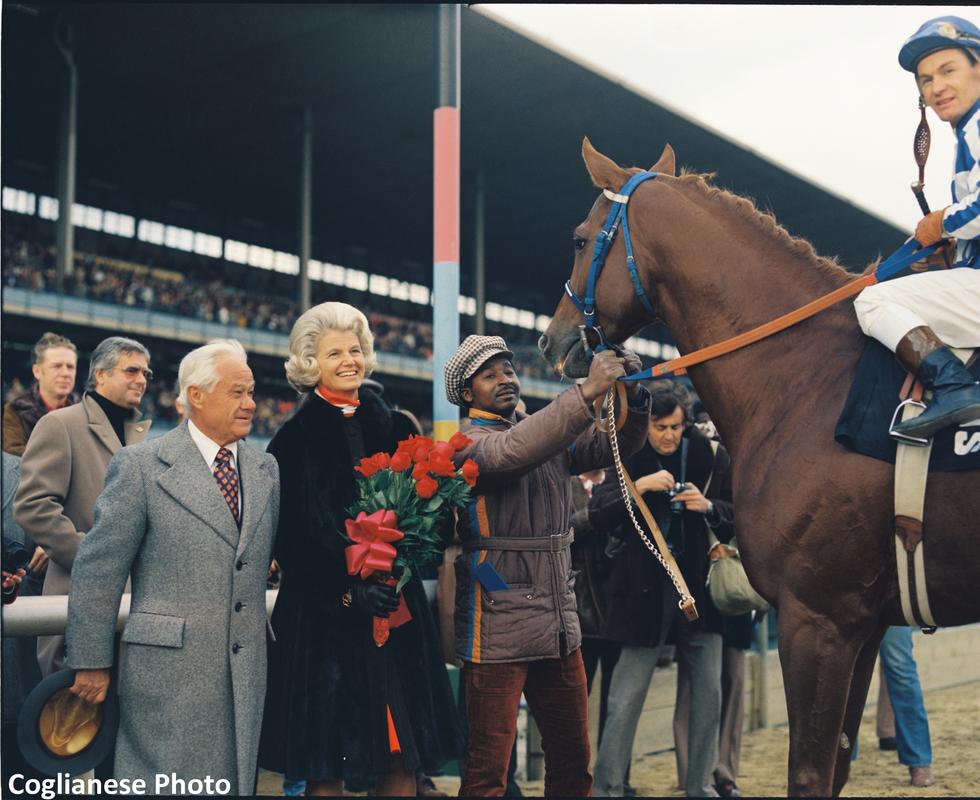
column 372, row 535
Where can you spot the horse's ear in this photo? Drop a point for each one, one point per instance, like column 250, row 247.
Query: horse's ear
column 665, row 164
column 605, row 173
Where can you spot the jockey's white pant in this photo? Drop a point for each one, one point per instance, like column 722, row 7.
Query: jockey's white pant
column 948, row 301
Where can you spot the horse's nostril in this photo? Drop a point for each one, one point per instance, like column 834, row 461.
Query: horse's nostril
column 543, row 342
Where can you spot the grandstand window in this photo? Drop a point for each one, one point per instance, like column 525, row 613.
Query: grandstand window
column 178, row 238
column 419, row 294
column 236, row 251
column 48, row 208
column 86, row 217
column 399, row 289
column 542, row 322
column 207, row 245
column 260, row 256
column 286, row 262
column 466, row 305
column 118, row 224
column 509, row 315
column 526, row 320
column 493, row 312
column 314, row 269
column 379, row 285
column 356, row 279
column 149, row 231
column 18, row 200
column 335, row 274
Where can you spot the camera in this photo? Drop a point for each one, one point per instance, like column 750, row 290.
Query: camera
column 676, row 506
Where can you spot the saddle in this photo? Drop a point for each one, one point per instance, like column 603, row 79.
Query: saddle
column 882, row 394
column 870, row 407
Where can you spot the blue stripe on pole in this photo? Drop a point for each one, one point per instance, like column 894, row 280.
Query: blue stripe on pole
column 445, row 317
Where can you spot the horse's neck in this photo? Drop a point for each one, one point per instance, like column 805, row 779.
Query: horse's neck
column 726, row 284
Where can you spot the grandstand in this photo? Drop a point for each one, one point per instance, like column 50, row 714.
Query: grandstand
column 187, row 198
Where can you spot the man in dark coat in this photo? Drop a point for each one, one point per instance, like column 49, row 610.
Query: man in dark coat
column 643, row 602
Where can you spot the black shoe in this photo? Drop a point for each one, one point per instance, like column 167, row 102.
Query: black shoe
column 629, row 791
column 956, row 396
column 888, row 743
column 727, row 789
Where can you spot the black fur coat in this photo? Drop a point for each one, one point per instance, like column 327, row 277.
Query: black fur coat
column 328, row 686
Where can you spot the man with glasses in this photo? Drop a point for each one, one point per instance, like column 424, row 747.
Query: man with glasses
column 65, row 463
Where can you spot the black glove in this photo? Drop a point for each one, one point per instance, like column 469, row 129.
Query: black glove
column 375, row 599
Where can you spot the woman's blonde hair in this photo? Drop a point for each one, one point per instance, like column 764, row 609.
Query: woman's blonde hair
column 302, row 370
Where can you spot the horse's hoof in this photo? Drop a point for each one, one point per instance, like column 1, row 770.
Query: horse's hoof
column 921, row 776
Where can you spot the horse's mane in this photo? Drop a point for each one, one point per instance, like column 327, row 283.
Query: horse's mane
column 763, row 221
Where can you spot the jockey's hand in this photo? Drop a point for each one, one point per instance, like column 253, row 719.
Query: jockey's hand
column 91, row 685
column 605, row 370
column 655, row 482
column 930, row 228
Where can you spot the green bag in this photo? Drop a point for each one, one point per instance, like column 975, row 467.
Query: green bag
column 729, row 586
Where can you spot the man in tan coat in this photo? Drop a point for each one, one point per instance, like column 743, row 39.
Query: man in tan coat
column 65, row 463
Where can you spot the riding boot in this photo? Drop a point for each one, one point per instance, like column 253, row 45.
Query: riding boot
column 955, row 394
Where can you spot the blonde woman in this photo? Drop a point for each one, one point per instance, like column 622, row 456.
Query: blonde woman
column 338, row 708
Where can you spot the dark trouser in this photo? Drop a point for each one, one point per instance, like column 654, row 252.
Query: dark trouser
column 558, row 698
column 606, row 653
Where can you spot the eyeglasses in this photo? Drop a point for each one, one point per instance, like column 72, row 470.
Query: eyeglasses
column 132, row 372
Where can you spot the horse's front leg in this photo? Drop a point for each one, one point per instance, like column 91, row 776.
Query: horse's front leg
column 856, row 699
column 817, row 661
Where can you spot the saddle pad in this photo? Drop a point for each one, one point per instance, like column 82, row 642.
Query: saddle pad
column 868, row 410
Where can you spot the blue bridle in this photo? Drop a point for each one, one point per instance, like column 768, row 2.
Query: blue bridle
column 616, row 218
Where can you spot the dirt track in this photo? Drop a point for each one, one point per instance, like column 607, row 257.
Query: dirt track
column 954, row 721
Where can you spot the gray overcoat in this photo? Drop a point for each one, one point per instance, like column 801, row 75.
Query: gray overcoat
column 62, row 473
column 192, row 664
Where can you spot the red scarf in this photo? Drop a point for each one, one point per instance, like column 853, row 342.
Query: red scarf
column 345, row 404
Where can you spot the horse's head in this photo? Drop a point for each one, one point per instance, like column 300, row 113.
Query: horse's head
column 619, row 311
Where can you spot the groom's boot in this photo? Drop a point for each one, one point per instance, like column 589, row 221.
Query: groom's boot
column 955, row 394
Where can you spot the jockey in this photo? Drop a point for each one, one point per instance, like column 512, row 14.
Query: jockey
column 917, row 316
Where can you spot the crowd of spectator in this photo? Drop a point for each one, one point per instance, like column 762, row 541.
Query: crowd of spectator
column 30, row 265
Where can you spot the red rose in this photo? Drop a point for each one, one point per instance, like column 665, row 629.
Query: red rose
column 401, row 461
column 470, row 471
column 368, row 467
column 443, row 450
column 421, row 448
column 440, row 465
column 460, row 441
column 382, row 460
column 426, row 487
column 421, row 470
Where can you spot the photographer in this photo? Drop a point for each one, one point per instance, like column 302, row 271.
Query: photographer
column 688, row 489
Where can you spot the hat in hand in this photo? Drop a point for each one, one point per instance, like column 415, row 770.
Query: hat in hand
column 58, row 732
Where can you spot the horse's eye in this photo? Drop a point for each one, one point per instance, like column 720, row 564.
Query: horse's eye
column 579, row 243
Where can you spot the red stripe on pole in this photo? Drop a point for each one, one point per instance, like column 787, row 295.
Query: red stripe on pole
column 445, row 179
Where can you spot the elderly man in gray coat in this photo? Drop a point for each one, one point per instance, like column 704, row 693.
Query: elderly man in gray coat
column 65, row 463
column 192, row 517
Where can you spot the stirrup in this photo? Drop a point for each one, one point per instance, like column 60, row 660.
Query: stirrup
column 916, row 441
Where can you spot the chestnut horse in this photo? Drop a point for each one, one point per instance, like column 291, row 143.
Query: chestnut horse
column 815, row 521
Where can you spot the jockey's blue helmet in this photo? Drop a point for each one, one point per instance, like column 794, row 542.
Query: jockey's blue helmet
column 940, row 33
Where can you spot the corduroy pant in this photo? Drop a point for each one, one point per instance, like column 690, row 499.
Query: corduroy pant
column 557, row 696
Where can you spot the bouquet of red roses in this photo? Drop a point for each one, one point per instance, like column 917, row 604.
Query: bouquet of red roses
column 403, row 502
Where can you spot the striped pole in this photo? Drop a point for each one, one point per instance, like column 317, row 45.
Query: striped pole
column 445, row 218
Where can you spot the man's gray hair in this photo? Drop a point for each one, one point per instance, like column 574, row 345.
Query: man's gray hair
column 107, row 353
column 302, row 369
column 199, row 367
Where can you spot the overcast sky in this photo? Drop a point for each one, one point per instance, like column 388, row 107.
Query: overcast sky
column 816, row 89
